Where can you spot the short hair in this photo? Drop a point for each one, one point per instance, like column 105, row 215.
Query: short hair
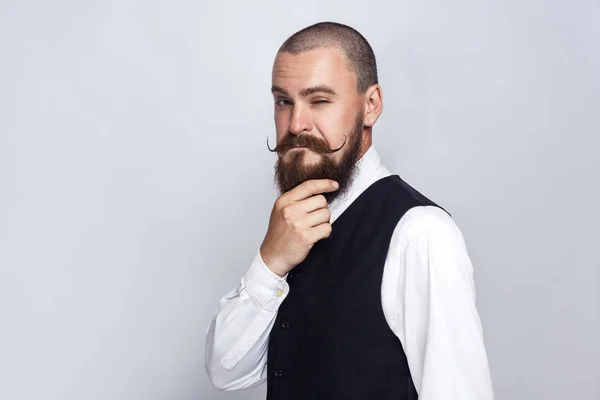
column 353, row 45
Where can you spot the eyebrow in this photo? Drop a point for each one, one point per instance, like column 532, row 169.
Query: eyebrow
column 307, row 91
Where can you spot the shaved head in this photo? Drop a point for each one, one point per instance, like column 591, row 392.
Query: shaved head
column 356, row 49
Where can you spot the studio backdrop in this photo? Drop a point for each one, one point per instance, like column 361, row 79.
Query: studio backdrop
column 135, row 183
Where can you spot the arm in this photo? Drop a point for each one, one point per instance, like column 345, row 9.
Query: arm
column 238, row 337
column 435, row 315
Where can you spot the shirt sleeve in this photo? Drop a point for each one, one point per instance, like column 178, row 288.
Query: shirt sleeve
column 432, row 309
column 237, row 339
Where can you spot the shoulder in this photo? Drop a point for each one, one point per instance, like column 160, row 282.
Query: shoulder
column 427, row 222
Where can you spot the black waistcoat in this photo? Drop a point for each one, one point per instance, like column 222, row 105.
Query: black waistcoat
column 331, row 340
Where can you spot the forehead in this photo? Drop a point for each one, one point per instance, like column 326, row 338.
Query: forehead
column 322, row 66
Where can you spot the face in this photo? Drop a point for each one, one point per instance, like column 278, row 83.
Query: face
column 318, row 109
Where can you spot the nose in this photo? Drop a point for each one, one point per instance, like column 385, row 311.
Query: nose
column 300, row 120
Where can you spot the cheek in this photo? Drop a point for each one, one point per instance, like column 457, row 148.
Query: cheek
column 333, row 127
column 281, row 125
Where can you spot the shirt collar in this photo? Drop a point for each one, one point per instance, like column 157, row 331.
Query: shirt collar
column 368, row 170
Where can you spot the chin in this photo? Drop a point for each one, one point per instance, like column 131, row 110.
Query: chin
column 311, row 158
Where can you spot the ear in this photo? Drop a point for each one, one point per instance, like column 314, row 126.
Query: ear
column 373, row 104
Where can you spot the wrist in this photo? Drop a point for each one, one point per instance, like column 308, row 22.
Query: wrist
column 276, row 266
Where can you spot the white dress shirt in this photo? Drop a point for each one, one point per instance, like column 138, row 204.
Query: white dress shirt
column 427, row 295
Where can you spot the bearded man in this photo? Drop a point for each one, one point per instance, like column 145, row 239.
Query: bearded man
column 362, row 287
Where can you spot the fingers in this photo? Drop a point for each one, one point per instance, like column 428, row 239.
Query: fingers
column 321, row 231
column 311, row 187
column 311, row 204
column 318, row 217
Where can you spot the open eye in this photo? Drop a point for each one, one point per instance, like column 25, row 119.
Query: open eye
column 283, row 102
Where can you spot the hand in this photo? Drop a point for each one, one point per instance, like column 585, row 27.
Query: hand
column 299, row 219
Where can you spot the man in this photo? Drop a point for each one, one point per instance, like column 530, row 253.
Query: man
column 362, row 287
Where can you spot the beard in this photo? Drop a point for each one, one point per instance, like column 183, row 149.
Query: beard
column 290, row 174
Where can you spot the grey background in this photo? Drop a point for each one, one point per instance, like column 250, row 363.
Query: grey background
column 135, row 186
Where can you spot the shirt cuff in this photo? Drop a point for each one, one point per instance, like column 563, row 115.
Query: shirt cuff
column 264, row 286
